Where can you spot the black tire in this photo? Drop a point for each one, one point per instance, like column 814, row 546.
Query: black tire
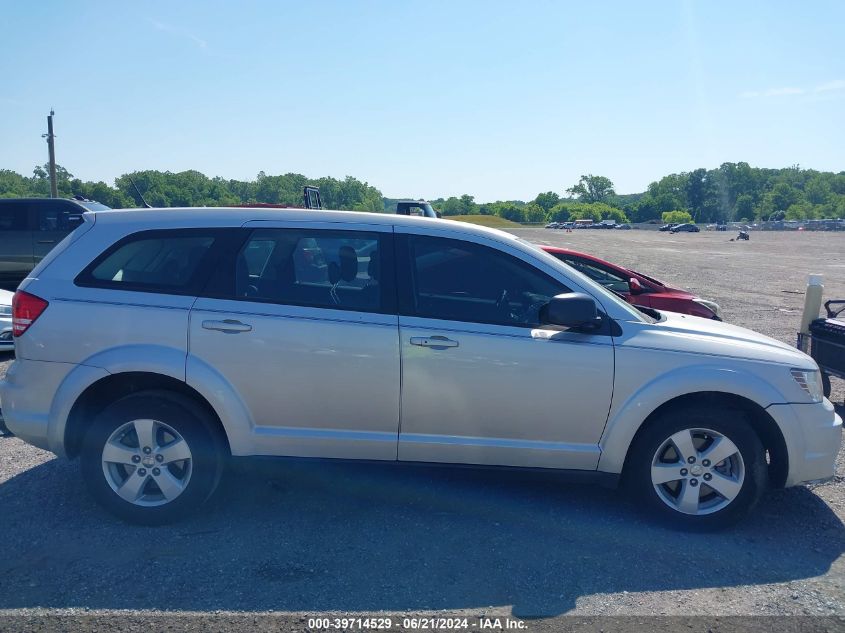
column 826, row 384
column 733, row 425
column 197, row 429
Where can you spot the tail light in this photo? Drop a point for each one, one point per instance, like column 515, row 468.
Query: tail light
column 26, row 308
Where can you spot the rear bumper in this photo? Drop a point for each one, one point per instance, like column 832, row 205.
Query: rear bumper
column 813, row 434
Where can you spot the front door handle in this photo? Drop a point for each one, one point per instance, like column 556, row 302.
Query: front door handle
column 46, row 241
column 228, row 326
column 434, row 342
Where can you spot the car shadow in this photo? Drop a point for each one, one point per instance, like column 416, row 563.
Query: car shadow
column 324, row 536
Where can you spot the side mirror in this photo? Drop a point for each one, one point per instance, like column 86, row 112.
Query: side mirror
column 571, row 309
column 634, row 286
column 439, row 215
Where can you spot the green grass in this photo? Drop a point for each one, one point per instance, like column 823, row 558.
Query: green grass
column 493, row 221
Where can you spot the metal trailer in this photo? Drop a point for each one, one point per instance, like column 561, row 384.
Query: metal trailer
column 826, row 342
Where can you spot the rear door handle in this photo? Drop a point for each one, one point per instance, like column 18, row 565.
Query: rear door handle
column 228, row 326
column 434, row 342
column 46, row 241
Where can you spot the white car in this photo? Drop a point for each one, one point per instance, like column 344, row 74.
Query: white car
column 7, row 342
column 154, row 344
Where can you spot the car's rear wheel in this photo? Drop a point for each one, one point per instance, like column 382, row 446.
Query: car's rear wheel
column 151, row 457
column 698, row 469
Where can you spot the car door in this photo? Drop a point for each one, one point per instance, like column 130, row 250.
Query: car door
column 15, row 240
column 301, row 324
column 482, row 381
column 54, row 219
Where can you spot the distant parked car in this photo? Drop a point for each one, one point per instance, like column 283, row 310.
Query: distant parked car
column 638, row 289
column 667, row 227
column 31, row 227
column 7, row 343
column 624, row 227
column 685, row 228
column 552, row 225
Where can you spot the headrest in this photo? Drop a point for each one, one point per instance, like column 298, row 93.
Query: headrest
column 348, row 263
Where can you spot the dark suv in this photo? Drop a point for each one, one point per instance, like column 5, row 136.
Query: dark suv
column 31, row 227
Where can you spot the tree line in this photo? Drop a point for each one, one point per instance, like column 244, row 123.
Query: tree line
column 193, row 189
column 731, row 192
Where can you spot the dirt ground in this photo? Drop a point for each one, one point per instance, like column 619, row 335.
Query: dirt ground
column 294, row 540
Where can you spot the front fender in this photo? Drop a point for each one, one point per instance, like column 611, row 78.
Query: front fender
column 628, row 412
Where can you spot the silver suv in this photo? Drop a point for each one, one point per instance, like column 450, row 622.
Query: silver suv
column 154, row 344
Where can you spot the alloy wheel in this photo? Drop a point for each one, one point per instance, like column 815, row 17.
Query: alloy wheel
column 697, row 471
column 147, row 462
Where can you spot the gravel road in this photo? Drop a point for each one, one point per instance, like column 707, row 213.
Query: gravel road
column 299, row 539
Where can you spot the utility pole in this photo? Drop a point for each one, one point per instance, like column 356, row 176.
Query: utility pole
column 51, row 146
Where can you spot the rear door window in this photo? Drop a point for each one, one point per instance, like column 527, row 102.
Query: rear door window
column 339, row 270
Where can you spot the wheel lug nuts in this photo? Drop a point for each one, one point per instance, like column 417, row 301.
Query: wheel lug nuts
column 159, row 458
column 148, row 450
column 142, row 472
column 156, row 472
column 705, row 463
column 707, row 476
column 684, row 472
column 691, row 460
column 136, row 459
column 693, row 482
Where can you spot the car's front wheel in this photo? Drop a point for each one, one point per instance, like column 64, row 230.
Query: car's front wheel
column 699, row 469
column 151, row 457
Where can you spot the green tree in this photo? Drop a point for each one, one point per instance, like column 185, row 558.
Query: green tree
column 744, row 206
column 817, row 190
column 592, row 188
column 559, row 212
column 510, row 211
column 676, row 217
column 702, row 196
column 780, row 198
column 533, row 212
column 547, row 200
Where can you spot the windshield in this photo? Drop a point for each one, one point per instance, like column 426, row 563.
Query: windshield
column 90, row 205
column 604, row 295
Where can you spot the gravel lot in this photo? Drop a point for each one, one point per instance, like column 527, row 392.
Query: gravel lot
column 301, row 539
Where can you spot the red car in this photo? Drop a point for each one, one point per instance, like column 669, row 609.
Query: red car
column 637, row 288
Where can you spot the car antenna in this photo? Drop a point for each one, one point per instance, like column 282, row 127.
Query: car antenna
column 140, row 195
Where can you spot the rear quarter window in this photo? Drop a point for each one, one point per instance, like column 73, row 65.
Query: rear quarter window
column 161, row 261
column 13, row 216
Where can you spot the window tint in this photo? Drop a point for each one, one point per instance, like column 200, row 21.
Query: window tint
column 599, row 274
column 13, row 217
column 328, row 269
column 461, row 281
column 62, row 218
column 165, row 260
